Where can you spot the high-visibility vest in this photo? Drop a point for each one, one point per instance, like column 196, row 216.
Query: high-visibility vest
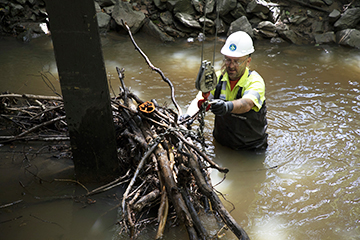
column 241, row 131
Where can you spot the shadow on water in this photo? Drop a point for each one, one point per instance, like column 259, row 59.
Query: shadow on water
column 305, row 186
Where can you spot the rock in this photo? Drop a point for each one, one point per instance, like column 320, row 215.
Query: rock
column 274, row 14
column 187, row 19
column 267, row 34
column 103, row 20
column 334, row 16
column 256, row 6
column 199, row 6
column 310, row 13
column 349, row 19
column 267, row 26
column 166, row 18
column 297, row 19
column 238, row 12
column 292, row 36
column 348, row 37
column 226, row 6
column 173, row 32
column 208, row 22
column 183, row 6
column 277, row 40
column 160, row 4
column 328, row 2
column 109, row 9
column 123, row 11
column 97, row 7
column 318, row 3
column 255, row 22
column 261, row 15
column 151, row 29
column 181, row 27
column 106, row 3
column 21, row 1
column 241, row 24
column 317, row 27
column 328, row 37
column 16, row 9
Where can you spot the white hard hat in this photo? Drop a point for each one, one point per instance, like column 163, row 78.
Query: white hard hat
column 238, row 44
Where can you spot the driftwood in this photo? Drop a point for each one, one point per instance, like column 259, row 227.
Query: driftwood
column 165, row 169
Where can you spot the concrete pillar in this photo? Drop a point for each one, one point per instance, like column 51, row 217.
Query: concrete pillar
column 84, row 86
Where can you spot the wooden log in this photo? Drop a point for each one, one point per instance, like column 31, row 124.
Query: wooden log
column 215, row 201
column 35, row 128
column 146, row 200
column 180, row 207
column 194, row 216
column 162, row 213
column 31, row 96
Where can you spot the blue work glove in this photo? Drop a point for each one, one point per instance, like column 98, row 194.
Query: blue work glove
column 220, row 107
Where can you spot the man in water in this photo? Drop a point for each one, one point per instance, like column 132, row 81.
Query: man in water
column 238, row 101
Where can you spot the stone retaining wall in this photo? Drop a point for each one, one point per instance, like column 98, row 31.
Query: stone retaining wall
column 295, row 21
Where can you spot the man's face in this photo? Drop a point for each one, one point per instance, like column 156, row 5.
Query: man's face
column 235, row 67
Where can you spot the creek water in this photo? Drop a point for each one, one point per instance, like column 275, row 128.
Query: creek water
column 305, row 186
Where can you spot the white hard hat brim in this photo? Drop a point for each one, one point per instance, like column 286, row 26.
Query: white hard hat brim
column 227, row 52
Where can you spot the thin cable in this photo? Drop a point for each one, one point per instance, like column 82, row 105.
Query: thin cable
column 216, row 28
column 203, row 40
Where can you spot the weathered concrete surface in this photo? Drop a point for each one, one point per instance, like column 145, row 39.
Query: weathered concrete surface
column 84, row 87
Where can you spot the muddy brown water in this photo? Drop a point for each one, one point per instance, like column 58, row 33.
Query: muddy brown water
column 306, row 185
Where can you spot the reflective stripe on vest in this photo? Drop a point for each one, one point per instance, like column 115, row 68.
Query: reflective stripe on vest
column 222, row 86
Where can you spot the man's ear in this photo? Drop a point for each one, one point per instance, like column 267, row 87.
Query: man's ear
column 248, row 61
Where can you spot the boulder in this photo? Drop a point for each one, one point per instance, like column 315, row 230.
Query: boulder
column 109, row 9
column 267, row 34
column 160, row 4
column 328, row 2
column 123, row 11
column 328, row 37
column 97, row 7
column 208, row 22
column 241, row 24
column 238, row 12
column 348, row 37
column 166, row 17
column 173, row 32
column 103, row 20
column 183, row 6
column 188, row 20
column 199, row 6
column 151, row 29
column 317, row 27
column 318, row 3
column 267, row 26
column 226, row 6
column 292, row 36
column 256, row 6
column 349, row 19
column 334, row 16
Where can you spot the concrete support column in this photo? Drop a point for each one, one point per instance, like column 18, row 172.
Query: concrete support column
column 84, row 86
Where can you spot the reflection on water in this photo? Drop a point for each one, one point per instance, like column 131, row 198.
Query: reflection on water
column 306, row 186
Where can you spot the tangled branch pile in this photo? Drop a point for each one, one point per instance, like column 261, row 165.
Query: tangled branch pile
column 166, row 169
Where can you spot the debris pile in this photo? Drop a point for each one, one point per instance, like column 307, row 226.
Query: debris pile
column 165, row 167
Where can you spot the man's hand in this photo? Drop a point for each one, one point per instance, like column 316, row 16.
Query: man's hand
column 220, row 107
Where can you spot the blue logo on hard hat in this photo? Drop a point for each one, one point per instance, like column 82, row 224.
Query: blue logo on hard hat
column 232, row 47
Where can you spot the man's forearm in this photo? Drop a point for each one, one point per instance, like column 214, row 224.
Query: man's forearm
column 242, row 105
